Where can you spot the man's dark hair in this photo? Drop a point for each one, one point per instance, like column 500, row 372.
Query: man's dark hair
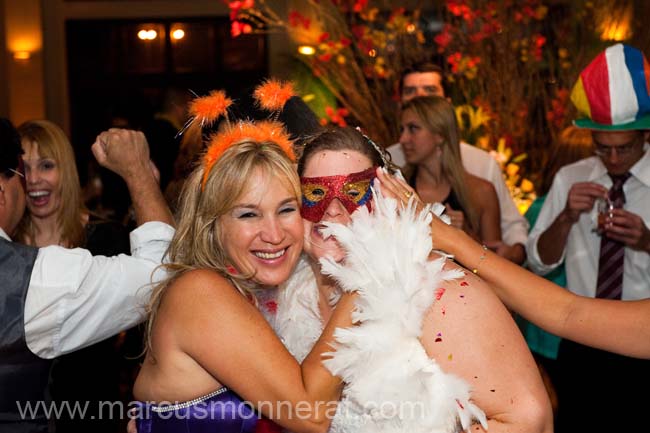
column 10, row 149
column 423, row 67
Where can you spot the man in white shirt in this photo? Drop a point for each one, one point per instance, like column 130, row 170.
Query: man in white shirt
column 427, row 79
column 607, row 261
column 55, row 300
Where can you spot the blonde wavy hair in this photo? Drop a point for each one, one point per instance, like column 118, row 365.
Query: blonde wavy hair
column 52, row 143
column 439, row 117
column 198, row 241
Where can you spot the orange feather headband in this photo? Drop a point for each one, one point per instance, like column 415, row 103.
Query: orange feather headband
column 271, row 95
column 207, row 109
column 261, row 132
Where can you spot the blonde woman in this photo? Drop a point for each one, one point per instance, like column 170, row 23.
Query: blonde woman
column 431, row 145
column 193, row 313
column 209, row 348
column 56, row 215
column 52, row 180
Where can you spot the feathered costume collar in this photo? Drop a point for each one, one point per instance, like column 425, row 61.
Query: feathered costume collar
column 392, row 386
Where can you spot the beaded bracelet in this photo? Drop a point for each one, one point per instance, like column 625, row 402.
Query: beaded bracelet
column 480, row 260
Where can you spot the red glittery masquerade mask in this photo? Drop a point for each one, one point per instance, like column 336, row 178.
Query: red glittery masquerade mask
column 352, row 190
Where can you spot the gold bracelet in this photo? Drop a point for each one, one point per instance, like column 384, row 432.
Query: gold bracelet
column 480, row 260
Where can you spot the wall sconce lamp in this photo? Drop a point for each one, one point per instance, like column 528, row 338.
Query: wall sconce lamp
column 22, row 55
column 147, row 35
column 178, row 34
column 306, row 50
column 616, row 24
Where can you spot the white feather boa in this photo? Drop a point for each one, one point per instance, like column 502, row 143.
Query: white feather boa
column 391, row 383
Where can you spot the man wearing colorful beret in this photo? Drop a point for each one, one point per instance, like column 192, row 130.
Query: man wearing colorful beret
column 606, row 257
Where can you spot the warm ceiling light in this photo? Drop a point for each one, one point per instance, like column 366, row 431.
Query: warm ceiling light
column 616, row 31
column 616, row 24
column 147, row 35
column 22, row 55
column 410, row 28
column 306, row 50
column 178, row 34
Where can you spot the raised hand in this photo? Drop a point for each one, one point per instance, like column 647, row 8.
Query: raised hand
column 126, row 152
column 123, row 151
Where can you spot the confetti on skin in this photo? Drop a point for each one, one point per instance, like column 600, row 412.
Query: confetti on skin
column 460, row 405
column 437, row 340
column 443, row 311
column 449, row 357
column 272, row 307
column 439, row 293
column 462, row 296
column 464, row 283
column 493, row 390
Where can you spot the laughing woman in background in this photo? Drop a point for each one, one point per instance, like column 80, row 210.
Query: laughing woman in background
column 56, row 215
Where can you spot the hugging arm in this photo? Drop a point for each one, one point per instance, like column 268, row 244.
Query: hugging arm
column 247, row 357
column 126, row 152
column 398, row 189
column 617, row 326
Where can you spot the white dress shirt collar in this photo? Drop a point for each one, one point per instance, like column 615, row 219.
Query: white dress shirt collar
column 641, row 170
column 638, row 170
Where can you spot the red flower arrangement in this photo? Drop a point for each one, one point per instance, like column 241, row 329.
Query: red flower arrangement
column 504, row 51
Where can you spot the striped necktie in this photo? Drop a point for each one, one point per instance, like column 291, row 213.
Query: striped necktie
column 612, row 253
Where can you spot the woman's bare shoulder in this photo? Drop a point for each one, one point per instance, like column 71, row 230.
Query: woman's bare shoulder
column 482, row 190
column 481, row 186
column 469, row 289
column 201, row 275
column 469, row 319
column 478, row 182
column 198, row 287
column 199, row 302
